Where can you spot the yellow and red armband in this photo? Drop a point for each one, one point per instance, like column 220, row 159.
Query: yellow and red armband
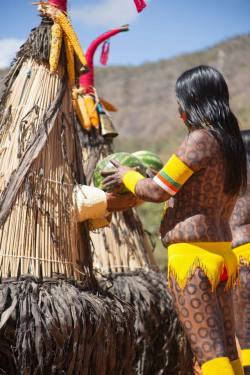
column 130, row 180
column 173, row 175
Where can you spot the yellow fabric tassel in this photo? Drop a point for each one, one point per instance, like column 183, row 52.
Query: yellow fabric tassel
column 243, row 253
column 55, row 47
column 221, row 366
column 237, row 367
column 131, row 179
column 65, row 24
column 90, row 105
column 245, row 354
column 211, row 257
column 70, row 61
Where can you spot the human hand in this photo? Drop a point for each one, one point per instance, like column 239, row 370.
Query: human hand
column 113, row 178
column 118, row 202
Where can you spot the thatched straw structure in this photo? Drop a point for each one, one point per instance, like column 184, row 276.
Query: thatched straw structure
column 54, row 319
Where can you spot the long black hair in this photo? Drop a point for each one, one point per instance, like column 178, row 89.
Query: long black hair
column 203, row 95
column 246, row 140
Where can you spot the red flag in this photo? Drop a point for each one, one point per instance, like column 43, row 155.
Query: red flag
column 105, row 52
column 61, row 4
column 140, row 5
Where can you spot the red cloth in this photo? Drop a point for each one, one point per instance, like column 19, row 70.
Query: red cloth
column 140, row 5
column 105, row 52
column 61, row 4
column 87, row 80
column 224, row 275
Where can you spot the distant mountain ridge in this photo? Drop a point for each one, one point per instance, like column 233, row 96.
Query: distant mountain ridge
column 145, row 95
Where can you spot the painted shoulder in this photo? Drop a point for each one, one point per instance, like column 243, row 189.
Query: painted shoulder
column 197, row 149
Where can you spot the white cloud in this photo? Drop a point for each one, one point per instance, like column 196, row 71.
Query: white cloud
column 108, row 13
column 8, row 49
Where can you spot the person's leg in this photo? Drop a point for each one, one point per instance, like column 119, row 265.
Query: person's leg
column 225, row 304
column 241, row 301
column 199, row 312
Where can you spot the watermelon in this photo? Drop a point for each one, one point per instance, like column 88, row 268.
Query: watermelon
column 150, row 160
column 125, row 159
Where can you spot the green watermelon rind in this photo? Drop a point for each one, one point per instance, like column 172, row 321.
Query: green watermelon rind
column 149, row 159
column 125, row 159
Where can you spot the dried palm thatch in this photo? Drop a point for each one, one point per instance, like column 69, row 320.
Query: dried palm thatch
column 53, row 316
column 123, row 259
column 52, row 327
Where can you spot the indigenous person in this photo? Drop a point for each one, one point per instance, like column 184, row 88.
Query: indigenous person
column 240, row 225
column 203, row 178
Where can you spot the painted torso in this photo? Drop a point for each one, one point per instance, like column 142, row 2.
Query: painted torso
column 240, row 220
column 201, row 210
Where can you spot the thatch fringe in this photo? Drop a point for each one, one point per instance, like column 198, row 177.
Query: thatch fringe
column 57, row 327
column 162, row 347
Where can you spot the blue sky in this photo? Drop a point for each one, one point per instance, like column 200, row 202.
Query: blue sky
column 165, row 29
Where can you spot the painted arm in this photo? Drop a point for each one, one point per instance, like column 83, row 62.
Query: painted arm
column 193, row 155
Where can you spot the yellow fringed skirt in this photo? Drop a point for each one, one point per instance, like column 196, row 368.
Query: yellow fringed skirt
column 212, row 257
column 243, row 253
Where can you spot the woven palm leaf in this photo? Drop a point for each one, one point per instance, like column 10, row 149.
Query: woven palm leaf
column 54, row 318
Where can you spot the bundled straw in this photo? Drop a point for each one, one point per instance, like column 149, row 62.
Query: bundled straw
column 38, row 173
column 53, row 317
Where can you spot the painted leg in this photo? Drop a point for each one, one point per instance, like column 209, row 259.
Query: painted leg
column 226, row 302
column 199, row 312
column 241, row 300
